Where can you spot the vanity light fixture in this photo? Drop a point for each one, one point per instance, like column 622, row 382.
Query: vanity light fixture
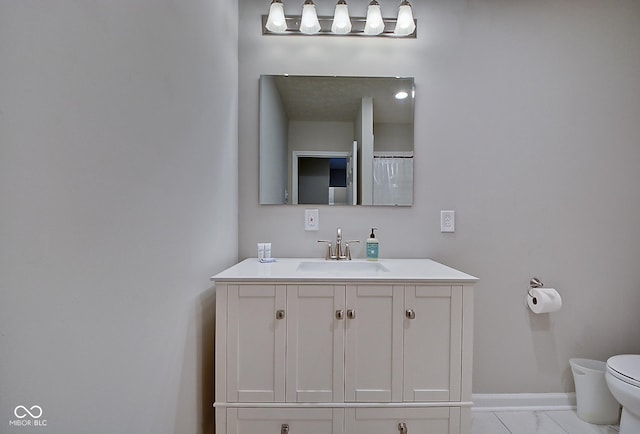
column 309, row 23
column 374, row 24
column 276, row 22
column 405, row 24
column 341, row 21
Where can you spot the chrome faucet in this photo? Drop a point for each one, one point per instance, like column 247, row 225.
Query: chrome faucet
column 338, row 252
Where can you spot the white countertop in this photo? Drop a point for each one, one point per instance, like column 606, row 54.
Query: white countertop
column 286, row 269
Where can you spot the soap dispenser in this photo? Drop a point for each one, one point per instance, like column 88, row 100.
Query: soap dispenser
column 372, row 246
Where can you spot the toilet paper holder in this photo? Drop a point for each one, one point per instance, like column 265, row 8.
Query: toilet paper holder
column 534, row 283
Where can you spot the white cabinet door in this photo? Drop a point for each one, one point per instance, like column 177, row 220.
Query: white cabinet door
column 373, row 351
column 432, row 343
column 315, row 343
column 285, row 421
column 256, row 343
column 436, row 420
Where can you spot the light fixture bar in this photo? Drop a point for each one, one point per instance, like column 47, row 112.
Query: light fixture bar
column 357, row 27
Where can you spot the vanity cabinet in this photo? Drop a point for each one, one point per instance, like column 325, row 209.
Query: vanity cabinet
column 351, row 343
column 343, row 356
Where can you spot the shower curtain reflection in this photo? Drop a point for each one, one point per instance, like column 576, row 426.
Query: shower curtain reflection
column 393, row 180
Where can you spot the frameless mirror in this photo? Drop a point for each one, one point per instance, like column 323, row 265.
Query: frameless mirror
column 336, row 140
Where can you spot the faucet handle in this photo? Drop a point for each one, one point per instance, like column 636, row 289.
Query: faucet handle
column 328, row 255
column 347, row 250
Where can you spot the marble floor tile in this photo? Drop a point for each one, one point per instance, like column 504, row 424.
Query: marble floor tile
column 529, row 422
column 487, row 423
column 572, row 424
column 535, row 422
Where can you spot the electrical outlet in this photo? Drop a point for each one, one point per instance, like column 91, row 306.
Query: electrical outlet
column 447, row 221
column 311, row 220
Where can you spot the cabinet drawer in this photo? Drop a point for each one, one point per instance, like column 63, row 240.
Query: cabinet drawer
column 436, row 420
column 285, row 421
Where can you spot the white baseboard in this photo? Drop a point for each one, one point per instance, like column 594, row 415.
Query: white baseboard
column 523, row 401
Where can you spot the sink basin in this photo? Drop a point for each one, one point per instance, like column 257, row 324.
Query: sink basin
column 342, row 268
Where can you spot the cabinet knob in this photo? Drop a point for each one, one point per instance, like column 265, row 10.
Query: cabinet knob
column 280, row 314
column 351, row 313
column 284, row 429
column 411, row 314
column 402, row 427
column 339, row 314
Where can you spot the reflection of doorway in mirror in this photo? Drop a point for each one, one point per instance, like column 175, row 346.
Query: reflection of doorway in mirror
column 322, row 178
column 338, row 181
column 313, row 180
column 322, row 181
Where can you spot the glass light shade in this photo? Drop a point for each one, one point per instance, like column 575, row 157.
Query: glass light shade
column 276, row 22
column 309, row 23
column 405, row 24
column 375, row 24
column 341, row 21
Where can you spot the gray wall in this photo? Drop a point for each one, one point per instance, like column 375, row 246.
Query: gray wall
column 392, row 137
column 321, row 135
column 528, row 126
column 118, row 200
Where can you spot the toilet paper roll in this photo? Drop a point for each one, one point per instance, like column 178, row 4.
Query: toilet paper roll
column 544, row 300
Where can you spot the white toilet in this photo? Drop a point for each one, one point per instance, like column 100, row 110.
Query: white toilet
column 623, row 379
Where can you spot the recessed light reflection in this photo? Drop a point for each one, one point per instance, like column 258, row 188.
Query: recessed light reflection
column 401, row 95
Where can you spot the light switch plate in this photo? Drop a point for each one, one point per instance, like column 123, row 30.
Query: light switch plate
column 447, row 221
column 311, row 220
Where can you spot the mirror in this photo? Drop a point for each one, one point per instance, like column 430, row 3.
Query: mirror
column 336, row 140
